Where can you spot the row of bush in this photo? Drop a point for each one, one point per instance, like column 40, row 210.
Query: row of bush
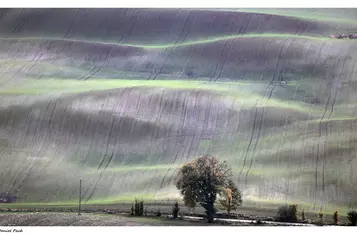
column 137, row 209
column 289, row 213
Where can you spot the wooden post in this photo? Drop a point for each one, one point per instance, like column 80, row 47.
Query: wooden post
column 80, row 197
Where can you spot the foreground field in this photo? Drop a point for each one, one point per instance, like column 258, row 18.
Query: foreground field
column 118, row 215
column 85, row 219
column 97, row 219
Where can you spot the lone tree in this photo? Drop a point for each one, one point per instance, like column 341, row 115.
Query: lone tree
column 231, row 197
column 202, row 180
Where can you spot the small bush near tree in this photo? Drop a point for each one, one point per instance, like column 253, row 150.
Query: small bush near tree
column 287, row 213
column 336, row 218
column 321, row 219
column 137, row 209
column 231, row 197
column 181, row 217
column 259, row 222
column 141, row 208
column 175, row 210
column 158, row 213
column 352, row 217
column 303, row 218
column 132, row 209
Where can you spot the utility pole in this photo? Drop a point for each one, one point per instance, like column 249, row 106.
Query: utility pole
column 80, row 197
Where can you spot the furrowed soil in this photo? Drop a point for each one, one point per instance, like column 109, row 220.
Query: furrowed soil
column 85, row 219
column 99, row 215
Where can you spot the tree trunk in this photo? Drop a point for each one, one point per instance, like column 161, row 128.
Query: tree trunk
column 210, row 211
column 209, row 217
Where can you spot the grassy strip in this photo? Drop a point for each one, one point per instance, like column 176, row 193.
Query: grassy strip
column 251, row 203
column 187, row 43
column 45, row 86
column 51, row 86
column 163, row 167
column 299, row 14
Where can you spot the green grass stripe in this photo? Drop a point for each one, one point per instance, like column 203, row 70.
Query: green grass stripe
column 187, row 43
column 265, row 171
column 299, row 14
column 249, row 201
column 60, row 86
column 121, row 169
column 125, row 198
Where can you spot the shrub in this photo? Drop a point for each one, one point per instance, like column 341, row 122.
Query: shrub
column 287, row 213
column 175, row 210
column 352, row 217
column 258, row 222
column 303, row 218
column 294, row 213
column 321, row 215
column 132, row 210
column 158, row 213
column 138, row 208
column 181, row 217
column 231, row 197
column 336, row 218
column 141, row 208
column 321, row 219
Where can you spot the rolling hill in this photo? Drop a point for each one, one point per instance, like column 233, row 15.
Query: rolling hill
column 122, row 97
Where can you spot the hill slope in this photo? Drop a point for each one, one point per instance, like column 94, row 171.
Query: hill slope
column 123, row 97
